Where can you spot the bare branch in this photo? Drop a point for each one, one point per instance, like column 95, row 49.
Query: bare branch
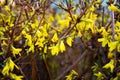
column 113, row 22
column 73, row 65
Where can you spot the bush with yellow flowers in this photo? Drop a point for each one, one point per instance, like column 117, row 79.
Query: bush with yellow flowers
column 38, row 29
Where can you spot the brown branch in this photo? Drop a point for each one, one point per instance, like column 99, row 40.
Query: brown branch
column 113, row 34
column 43, row 14
column 69, row 7
column 101, row 70
column 59, row 5
column 26, row 13
column 108, row 25
column 72, row 66
column 19, row 16
column 22, row 73
column 33, row 67
column 113, row 22
column 78, row 19
column 47, row 67
column 103, row 15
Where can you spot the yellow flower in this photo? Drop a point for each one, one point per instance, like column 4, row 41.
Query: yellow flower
column 69, row 41
column 81, row 25
column 38, row 34
column 54, row 49
column 98, row 1
column 16, row 51
column 118, row 47
column 45, row 49
column 17, row 38
column 55, row 37
column 112, row 45
column 16, row 77
column 31, row 49
column 110, row 55
column 5, row 70
column 4, row 43
column 43, row 29
column 23, row 32
column 40, row 42
column 114, row 8
column 92, row 8
column 109, row 65
column 99, row 75
column 79, row 34
column 87, row 20
column 64, row 23
column 29, row 39
column 9, row 66
column 7, row 8
column 74, row 72
column 62, row 46
column 117, row 23
column 104, row 41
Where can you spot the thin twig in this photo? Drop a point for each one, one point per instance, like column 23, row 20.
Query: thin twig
column 113, row 34
column 19, row 16
column 78, row 20
column 47, row 67
column 69, row 7
column 33, row 66
column 71, row 28
column 103, row 14
column 23, row 73
column 60, row 5
column 26, row 13
column 72, row 66
column 113, row 22
column 108, row 25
